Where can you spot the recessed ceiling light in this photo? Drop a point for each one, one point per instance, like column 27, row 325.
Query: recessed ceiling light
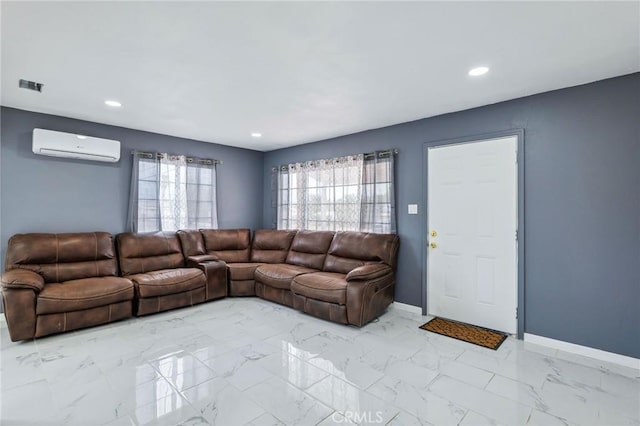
column 474, row 72
column 256, row 135
column 115, row 104
column 81, row 136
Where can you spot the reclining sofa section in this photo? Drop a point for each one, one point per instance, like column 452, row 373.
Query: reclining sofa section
column 156, row 266
column 60, row 282
column 346, row 277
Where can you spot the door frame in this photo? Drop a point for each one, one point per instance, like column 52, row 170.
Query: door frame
column 519, row 134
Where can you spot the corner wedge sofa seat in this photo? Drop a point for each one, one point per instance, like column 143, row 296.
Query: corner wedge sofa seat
column 304, row 254
column 230, row 246
column 156, row 266
column 61, row 282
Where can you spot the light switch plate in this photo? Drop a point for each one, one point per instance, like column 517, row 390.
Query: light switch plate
column 413, row 209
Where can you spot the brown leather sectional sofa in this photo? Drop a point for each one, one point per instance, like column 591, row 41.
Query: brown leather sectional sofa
column 60, row 282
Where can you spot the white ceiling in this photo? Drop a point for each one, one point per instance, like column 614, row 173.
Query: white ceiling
column 301, row 72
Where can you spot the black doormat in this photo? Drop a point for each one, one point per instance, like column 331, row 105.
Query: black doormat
column 468, row 333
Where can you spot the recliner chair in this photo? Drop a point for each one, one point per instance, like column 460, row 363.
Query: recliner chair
column 60, row 282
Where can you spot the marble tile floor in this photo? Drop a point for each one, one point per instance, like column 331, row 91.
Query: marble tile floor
column 248, row 361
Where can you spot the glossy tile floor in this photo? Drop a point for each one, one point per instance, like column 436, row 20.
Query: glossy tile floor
column 248, row 361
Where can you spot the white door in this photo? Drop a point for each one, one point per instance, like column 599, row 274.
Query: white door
column 472, row 253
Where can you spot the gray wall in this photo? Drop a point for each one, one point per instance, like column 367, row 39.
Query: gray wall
column 45, row 194
column 582, row 204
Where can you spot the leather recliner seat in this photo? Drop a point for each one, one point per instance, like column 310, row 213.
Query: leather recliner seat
column 156, row 266
column 61, row 282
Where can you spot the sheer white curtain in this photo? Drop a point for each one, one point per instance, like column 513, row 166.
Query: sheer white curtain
column 171, row 192
column 320, row 195
column 352, row 193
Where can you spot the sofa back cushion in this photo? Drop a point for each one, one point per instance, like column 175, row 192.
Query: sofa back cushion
column 349, row 250
column 309, row 248
column 139, row 253
column 271, row 246
column 230, row 245
column 191, row 242
column 63, row 257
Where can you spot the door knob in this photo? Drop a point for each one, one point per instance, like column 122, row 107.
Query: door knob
column 433, row 244
column 434, row 234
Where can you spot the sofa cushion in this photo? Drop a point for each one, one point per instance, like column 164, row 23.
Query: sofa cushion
column 63, row 257
column 168, row 281
column 309, row 248
column 82, row 294
column 279, row 275
column 191, row 242
column 271, row 246
column 350, row 250
column 230, row 245
column 326, row 286
column 140, row 253
column 242, row 271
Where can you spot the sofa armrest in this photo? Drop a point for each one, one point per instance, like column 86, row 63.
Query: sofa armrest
column 193, row 261
column 20, row 312
column 215, row 272
column 19, row 279
column 368, row 299
column 369, row 272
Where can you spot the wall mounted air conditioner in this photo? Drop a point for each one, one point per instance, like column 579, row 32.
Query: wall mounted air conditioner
column 70, row 145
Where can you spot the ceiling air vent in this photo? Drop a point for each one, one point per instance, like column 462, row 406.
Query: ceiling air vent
column 31, row 85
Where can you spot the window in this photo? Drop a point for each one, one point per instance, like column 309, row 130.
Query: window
column 353, row 193
column 171, row 192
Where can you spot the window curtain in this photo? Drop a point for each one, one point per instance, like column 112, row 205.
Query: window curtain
column 284, row 210
column 144, row 199
column 202, row 208
column 171, row 192
column 352, row 193
column 378, row 205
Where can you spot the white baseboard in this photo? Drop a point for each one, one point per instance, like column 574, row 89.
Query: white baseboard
column 407, row 308
column 598, row 354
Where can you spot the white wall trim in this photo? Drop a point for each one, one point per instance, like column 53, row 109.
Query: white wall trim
column 598, row 354
column 407, row 308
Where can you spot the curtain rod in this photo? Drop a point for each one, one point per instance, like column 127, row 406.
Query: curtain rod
column 365, row 155
column 381, row 153
column 162, row 155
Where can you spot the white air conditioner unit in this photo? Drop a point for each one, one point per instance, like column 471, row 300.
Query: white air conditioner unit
column 70, row 145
